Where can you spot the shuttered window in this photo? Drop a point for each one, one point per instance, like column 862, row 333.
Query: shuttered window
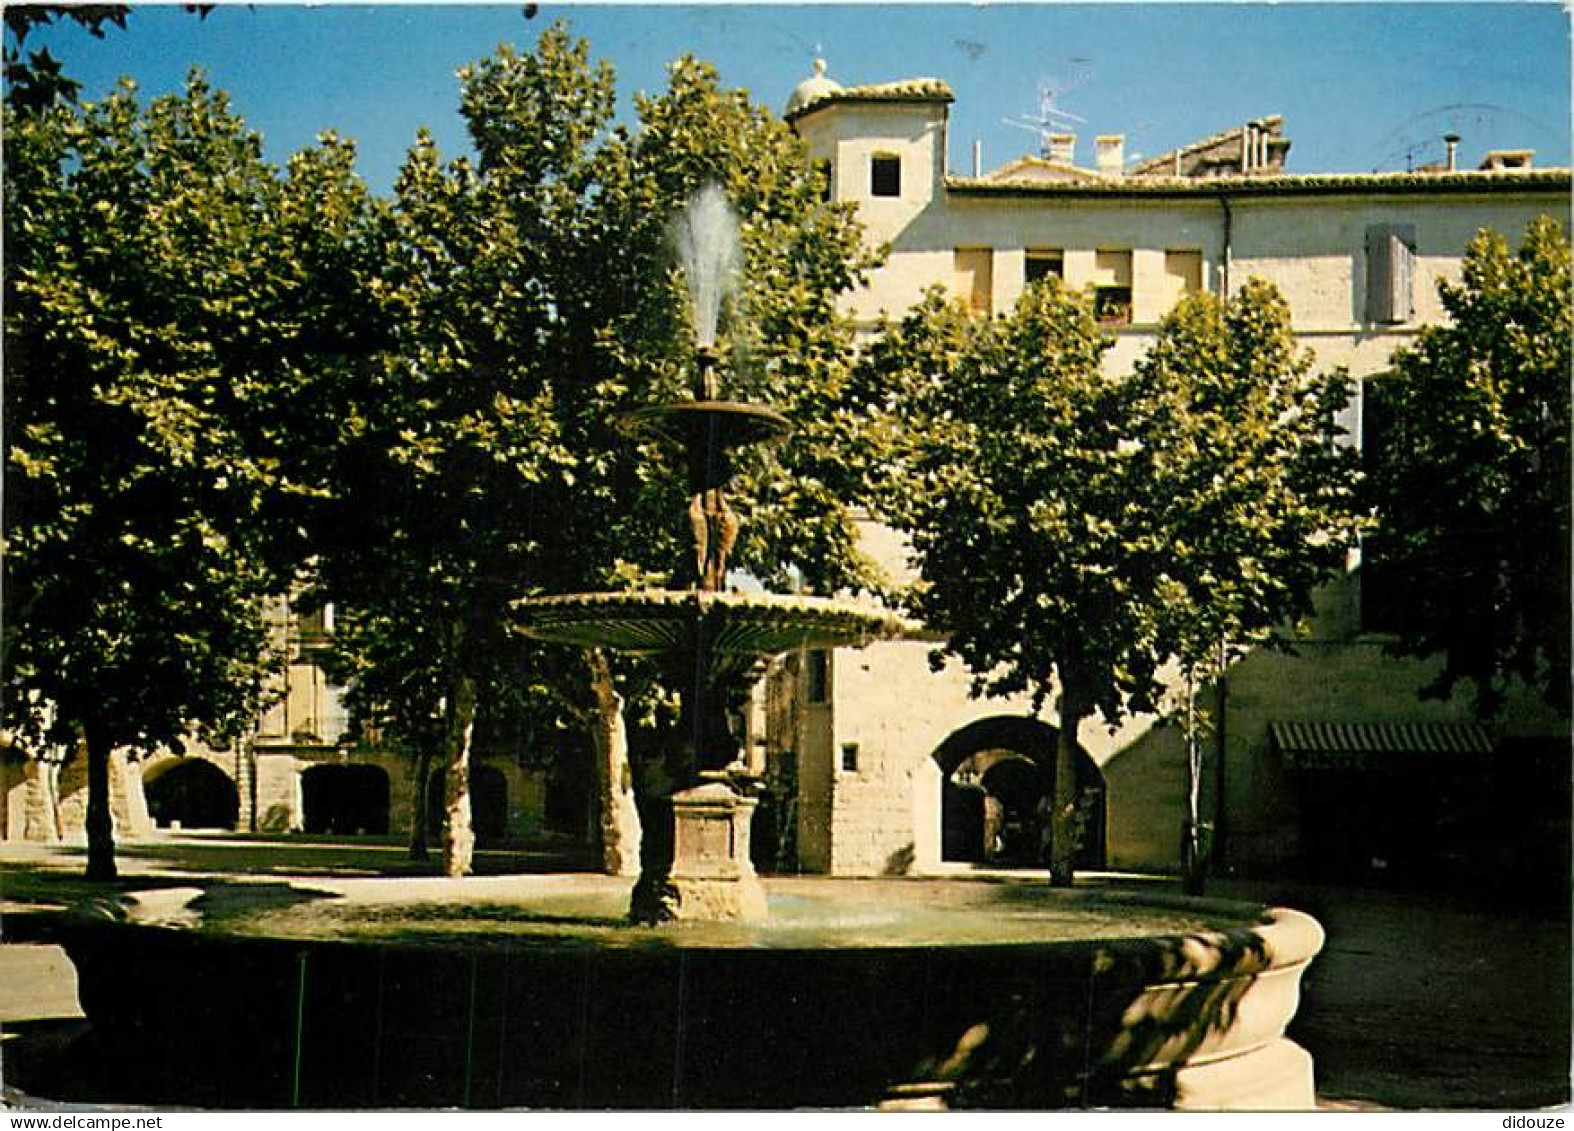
column 1390, row 273
column 974, row 270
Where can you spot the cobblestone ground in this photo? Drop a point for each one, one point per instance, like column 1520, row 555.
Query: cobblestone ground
column 1428, row 1000
column 1419, row 1000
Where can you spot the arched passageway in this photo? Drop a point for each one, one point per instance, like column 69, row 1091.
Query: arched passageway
column 998, row 775
column 345, row 799
column 488, row 802
column 191, row 793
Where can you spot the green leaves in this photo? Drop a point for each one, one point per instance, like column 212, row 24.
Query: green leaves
column 168, row 312
column 1257, row 497
column 531, row 299
column 1088, row 528
column 1470, row 477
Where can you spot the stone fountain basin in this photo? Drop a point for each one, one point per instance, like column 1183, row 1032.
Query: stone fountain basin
column 529, row 992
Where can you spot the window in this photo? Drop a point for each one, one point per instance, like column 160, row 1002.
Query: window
column 1112, row 305
column 849, row 761
column 1182, row 275
column 1112, row 287
column 885, row 175
column 1043, row 264
column 974, row 268
column 1390, row 272
column 819, row 676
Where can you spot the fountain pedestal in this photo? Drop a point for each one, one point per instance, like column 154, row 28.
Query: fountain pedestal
column 711, row 870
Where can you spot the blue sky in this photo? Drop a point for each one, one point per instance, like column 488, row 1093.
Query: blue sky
column 1361, row 86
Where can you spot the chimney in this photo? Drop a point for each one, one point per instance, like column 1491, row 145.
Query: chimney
column 1111, row 154
column 1452, row 141
column 1061, row 148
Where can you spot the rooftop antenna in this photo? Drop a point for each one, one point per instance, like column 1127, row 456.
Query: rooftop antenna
column 1050, row 118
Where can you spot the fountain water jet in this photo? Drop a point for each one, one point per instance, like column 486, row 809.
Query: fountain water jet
column 705, row 237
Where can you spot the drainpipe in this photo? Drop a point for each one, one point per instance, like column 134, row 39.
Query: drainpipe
column 1229, row 250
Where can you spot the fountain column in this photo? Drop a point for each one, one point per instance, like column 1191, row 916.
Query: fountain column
column 703, row 870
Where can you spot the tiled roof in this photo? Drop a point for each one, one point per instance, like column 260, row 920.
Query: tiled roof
column 1037, row 170
column 1272, row 123
column 907, row 90
column 1306, row 184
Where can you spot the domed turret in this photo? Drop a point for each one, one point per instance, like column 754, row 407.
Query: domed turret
column 812, row 89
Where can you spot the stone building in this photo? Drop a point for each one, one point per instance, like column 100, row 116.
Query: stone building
column 299, row 771
column 1329, row 757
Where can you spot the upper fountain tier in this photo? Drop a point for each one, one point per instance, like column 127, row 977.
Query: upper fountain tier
column 701, row 424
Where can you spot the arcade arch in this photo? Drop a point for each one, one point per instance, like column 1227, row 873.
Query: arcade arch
column 997, row 775
column 190, row 793
column 488, row 802
column 345, row 798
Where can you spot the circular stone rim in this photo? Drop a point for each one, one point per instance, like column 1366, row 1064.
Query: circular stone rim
column 654, row 621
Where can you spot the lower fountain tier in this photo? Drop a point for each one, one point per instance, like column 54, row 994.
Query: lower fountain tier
column 735, row 629
column 529, row 991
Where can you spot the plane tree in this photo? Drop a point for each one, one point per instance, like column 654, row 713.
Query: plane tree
column 1076, row 531
column 1254, row 489
column 1470, row 475
column 172, row 303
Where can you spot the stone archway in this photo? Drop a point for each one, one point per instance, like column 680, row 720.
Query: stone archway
column 345, row 799
column 994, row 773
column 190, row 793
column 488, row 802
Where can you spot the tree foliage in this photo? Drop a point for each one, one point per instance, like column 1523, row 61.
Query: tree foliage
column 1244, row 471
column 1471, row 480
column 173, row 305
column 35, row 81
column 1076, row 530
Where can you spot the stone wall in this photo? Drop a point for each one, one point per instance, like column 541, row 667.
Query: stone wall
column 29, row 799
column 127, row 806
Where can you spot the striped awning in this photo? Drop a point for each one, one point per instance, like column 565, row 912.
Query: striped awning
column 1338, row 746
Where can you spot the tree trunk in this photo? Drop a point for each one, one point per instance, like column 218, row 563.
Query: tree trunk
column 1221, row 720
column 1193, row 856
column 458, row 836
column 100, row 822
column 617, row 817
column 418, row 805
column 1064, row 825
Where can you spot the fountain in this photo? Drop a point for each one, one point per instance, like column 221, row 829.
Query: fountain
column 709, row 644
column 704, row 987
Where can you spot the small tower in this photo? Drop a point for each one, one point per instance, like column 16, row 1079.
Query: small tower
column 883, row 146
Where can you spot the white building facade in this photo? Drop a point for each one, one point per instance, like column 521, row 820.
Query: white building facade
column 894, row 767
